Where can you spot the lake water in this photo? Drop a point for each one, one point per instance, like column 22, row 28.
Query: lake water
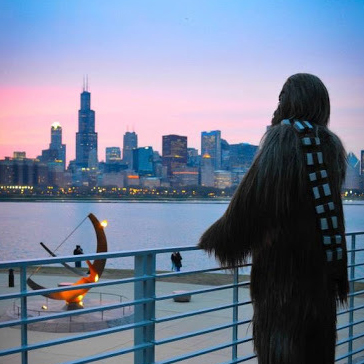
column 131, row 226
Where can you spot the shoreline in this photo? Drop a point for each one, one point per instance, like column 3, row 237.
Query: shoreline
column 117, row 200
column 357, row 201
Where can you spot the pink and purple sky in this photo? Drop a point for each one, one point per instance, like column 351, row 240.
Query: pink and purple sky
column 172, row 67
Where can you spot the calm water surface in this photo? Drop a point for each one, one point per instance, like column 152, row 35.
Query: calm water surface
column 131, row 226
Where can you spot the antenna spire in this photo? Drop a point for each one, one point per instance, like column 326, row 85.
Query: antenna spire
column 85, row 83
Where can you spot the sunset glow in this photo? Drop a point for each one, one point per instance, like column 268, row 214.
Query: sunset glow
column 172, row 67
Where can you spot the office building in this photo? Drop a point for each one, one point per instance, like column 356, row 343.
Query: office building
column 23, row 172
column 193, row 159
column 56, row 144
column 211, row 145
column 143, row 161
column 174, row 152
column 207, row 177
column 19, row 155
column 352, row 179
column 56, row 153
column 222, row 179
column 225, row 154
column 113, row 154
column 241, row 156
column 86, row 137
column 114, row 179
column 150, row 182
column 187, row 176
column 129, row 144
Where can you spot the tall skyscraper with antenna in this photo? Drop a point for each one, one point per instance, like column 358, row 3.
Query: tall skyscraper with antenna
column 86, row 137
column 130, row 143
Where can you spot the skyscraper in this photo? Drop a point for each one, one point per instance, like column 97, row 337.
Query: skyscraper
column 130, row 142
column 211, row 145
column 56, row 143
column 86, row 137
column 113, row 154
column 207, row 171
column 241, row 155
column 352, row 178
column 143, row 160
column 174, row 152
column 56, row 154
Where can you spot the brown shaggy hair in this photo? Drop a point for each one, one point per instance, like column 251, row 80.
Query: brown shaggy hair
column 303, row 97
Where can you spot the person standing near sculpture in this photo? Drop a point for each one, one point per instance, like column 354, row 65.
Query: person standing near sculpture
column 176, row 259
column 287, row 215
column 78, row 251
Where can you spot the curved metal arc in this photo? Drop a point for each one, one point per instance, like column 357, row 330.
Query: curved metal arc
column 79, row 272
column 69, row 296
column 99, row 264
column 96, row 268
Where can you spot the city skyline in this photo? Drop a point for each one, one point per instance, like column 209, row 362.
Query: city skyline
column 173, row 68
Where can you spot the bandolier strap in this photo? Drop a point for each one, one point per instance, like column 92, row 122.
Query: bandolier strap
column 326, row 211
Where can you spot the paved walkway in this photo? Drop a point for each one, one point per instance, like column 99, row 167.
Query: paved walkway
column 67, row 352
column 10, row 337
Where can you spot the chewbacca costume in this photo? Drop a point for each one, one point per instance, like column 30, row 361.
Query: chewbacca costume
column 287, row 215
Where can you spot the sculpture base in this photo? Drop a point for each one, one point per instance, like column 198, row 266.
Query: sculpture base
column 70, row 306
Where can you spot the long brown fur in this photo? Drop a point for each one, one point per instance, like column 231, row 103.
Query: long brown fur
column 271, row 218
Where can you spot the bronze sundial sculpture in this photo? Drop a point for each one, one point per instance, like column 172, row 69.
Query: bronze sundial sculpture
column 74, row 298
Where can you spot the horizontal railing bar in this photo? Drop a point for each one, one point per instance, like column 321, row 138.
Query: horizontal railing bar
column 88, row 335
column 108, row 255
column 199, row 312
column 350, row 324
column 355, row 233
column 350, row 309
column 200, row 332
column 83, row 257
column 355, row 265
column 200, row 291
column 41, row 292
column 356, row 250
column 189, row 272
column 350, row 338
column 204, row 351
column 350, row 353
column 356, row 293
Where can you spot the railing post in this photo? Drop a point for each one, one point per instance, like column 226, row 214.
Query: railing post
column 23, row 314
column 235, row 313
column 144, row 265
column 351, row 298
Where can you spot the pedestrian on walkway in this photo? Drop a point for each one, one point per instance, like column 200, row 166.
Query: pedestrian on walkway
column 78, row 251
column 176, row 259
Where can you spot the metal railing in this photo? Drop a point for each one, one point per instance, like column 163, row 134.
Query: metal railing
column 214, row 326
